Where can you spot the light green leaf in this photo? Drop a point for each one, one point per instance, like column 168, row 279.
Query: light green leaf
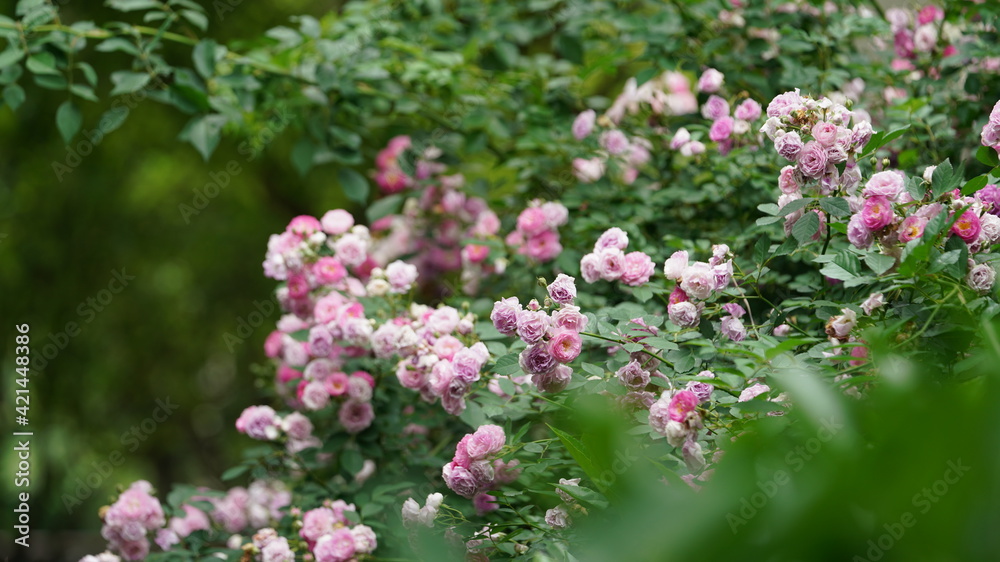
column 68, row 120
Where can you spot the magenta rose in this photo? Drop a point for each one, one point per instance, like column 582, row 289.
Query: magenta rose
column 877, row 213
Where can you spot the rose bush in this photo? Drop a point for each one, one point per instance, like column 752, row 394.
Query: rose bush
column 561, row 293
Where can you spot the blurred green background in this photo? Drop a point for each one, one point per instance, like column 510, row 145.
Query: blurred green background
column 162, row 336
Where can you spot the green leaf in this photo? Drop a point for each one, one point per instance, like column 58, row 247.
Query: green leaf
column 806, row 227
column 10, row 56
column 879, row 263
column 642, row 293
column 204, row 57
column 986, row 154
column 384, row 207
column 204, row 133
column 234, row 472
column 354, row 184
column 13, row 96
column 880, row 139
column 133, row 5
column 126, row 82
column 593, row 369
column 85, row 92
column 836, row 206
column 118, row 44
column 351, row 461
column 945, row 178
column 793, row 206
column 68, row 120
column 42, row 63
column 507, row 365
column 579, row 453
column 112, row 119
column 975, row 184
column 196, row 19
column 760, row 249
column 845, row 266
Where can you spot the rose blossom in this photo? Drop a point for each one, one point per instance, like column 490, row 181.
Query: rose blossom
column 569, row 317
column 680, row 138
column 752, row 392
column 825, row 133
column 633, row 376
column 967, row 226
column 841, row 326
column 590, row 268
column 874, row 301
column 356, row 416
column 505, row 314
column 563, row 289
column 259, row 422
column 536, row 359
column 532, row 325
column 613, row 237
column 337, row 546
column 877, row 213
column 681, row 404
column 614, row 141
column 789, row 145
column 981, row 278
column 584, row 124
column 721, row 129
column 812, row 160
column 565, row 345
column 715, row 108
column 487, row 440
column 886, row 184
column 698, row 280
column 857, row 233
column 749, row 110
column 684, row 314
column 675, row 265
column 710, row 81
column 788, row 180
column 612, row 263
column 912, row 228
column 638, row 269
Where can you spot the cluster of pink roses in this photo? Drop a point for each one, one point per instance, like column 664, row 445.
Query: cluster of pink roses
column 255, row 506
column 696, row 282
column 476, row 467
column 675, row 416
column 330, row 535
column 129, row 520
column 263, row 423
column 728, row 130
column 137, row 513
column 628, row 154
column 609, row 261
column 553, row 341
column 916, row 33
column 444, row 229
column 434, row 361
column 389, row 174
column 537, row 231
column 887, row 212
column 816, row 136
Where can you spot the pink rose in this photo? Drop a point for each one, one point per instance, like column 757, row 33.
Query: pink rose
column 638, row 269
column 887, row 184
column 487, row 440
column 877, row 213
column 812, row 160
column 584, row 124
column 565, row 345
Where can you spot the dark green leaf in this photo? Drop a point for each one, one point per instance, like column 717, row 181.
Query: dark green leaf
column 354, row 184
column 836, row 206
column 10, row 56
column 68, row 120
column 879, row 263
column 13, row 96
column 975, row 184
column 945, row 178
column 806, row 227
column 204, row 133
column 204, row 57
column 126, row 82
column 384, row 207
column 988, row 155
